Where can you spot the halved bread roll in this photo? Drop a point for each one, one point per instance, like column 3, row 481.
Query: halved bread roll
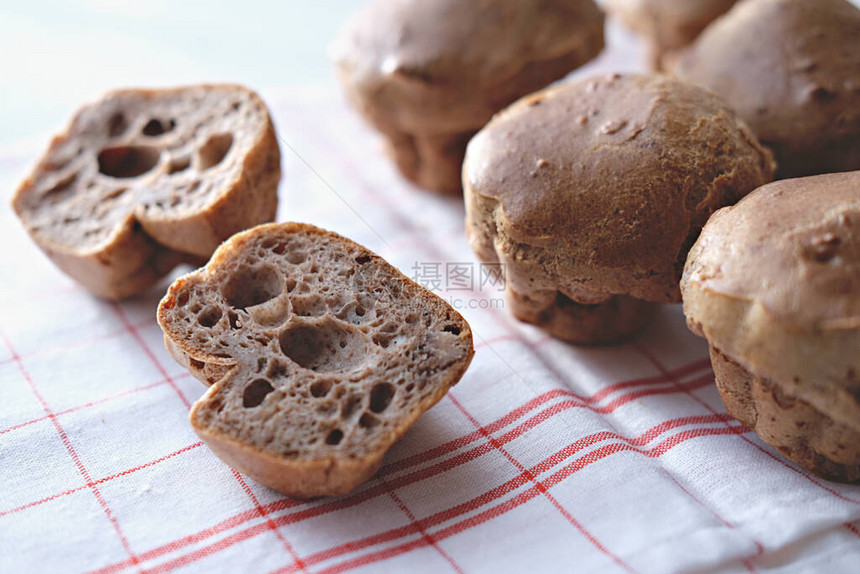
column 320, row 355
column 142, row 180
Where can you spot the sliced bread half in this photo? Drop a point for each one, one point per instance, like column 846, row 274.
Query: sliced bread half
column 319, row 353
column 142, row 180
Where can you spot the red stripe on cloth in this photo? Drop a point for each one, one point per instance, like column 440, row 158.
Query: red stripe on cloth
column 95, row 403
column 78, row 344
column 424, row 534
column 508, row 337
column 519, row 412
column 263, row 514
column 423, row 474
column 133, row 331
column 64, row 438
column 354, row 500
column 160, row 551
column 501, row 491
column 552, row 500
column 102, row 480
column 852, row 529
column 656, row 362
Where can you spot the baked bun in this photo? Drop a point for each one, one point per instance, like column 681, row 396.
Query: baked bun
column 320, row 355
column 591, row 193
column 429, row 73
column 773, row 285
column 667, row 25
column 142, row 180
column 791, row 69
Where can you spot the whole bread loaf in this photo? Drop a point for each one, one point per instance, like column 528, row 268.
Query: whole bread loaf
column 772, row 283
column 142, row 180
column 791, row 70
column 320, row 355
column 428, row 74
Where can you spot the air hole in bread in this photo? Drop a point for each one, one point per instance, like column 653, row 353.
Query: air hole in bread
column 380, row 397
column 277, row 370
column 326, row 408
column 196, row 364
column 316, row 346
column 350, row 406
column 309, row 306
column 156, row 127
column 178, row 164
column 255, row 393
column 115, row 194
column 279, row 249
column 362, row 259
column 296, row 256
column 251, row 286
column 217, row 404
column 320, row 389
column 209, row 316
column 214, row 150
column 62, row 185
column 368, row 421
column 117, row 124
column 453, row 329
column 334, row 437
column 353, row 312
column 182, row 298
column 127, row 161
column 233, row 319
column 382, row 339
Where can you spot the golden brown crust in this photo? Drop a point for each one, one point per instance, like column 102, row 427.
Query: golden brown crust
column 791, row 69
column 428, row 73
column 145, row 179
column 596, row 189
column 320, row 355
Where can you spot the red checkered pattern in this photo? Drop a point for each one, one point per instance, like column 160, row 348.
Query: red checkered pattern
column 545, row 457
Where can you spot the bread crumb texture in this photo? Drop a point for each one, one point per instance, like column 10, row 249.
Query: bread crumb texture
column 320, row 355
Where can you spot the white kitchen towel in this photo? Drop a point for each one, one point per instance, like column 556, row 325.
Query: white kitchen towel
column 545, row 458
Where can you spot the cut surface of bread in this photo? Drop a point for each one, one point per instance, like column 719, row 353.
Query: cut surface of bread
column 144, row 179
column 320, row 355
